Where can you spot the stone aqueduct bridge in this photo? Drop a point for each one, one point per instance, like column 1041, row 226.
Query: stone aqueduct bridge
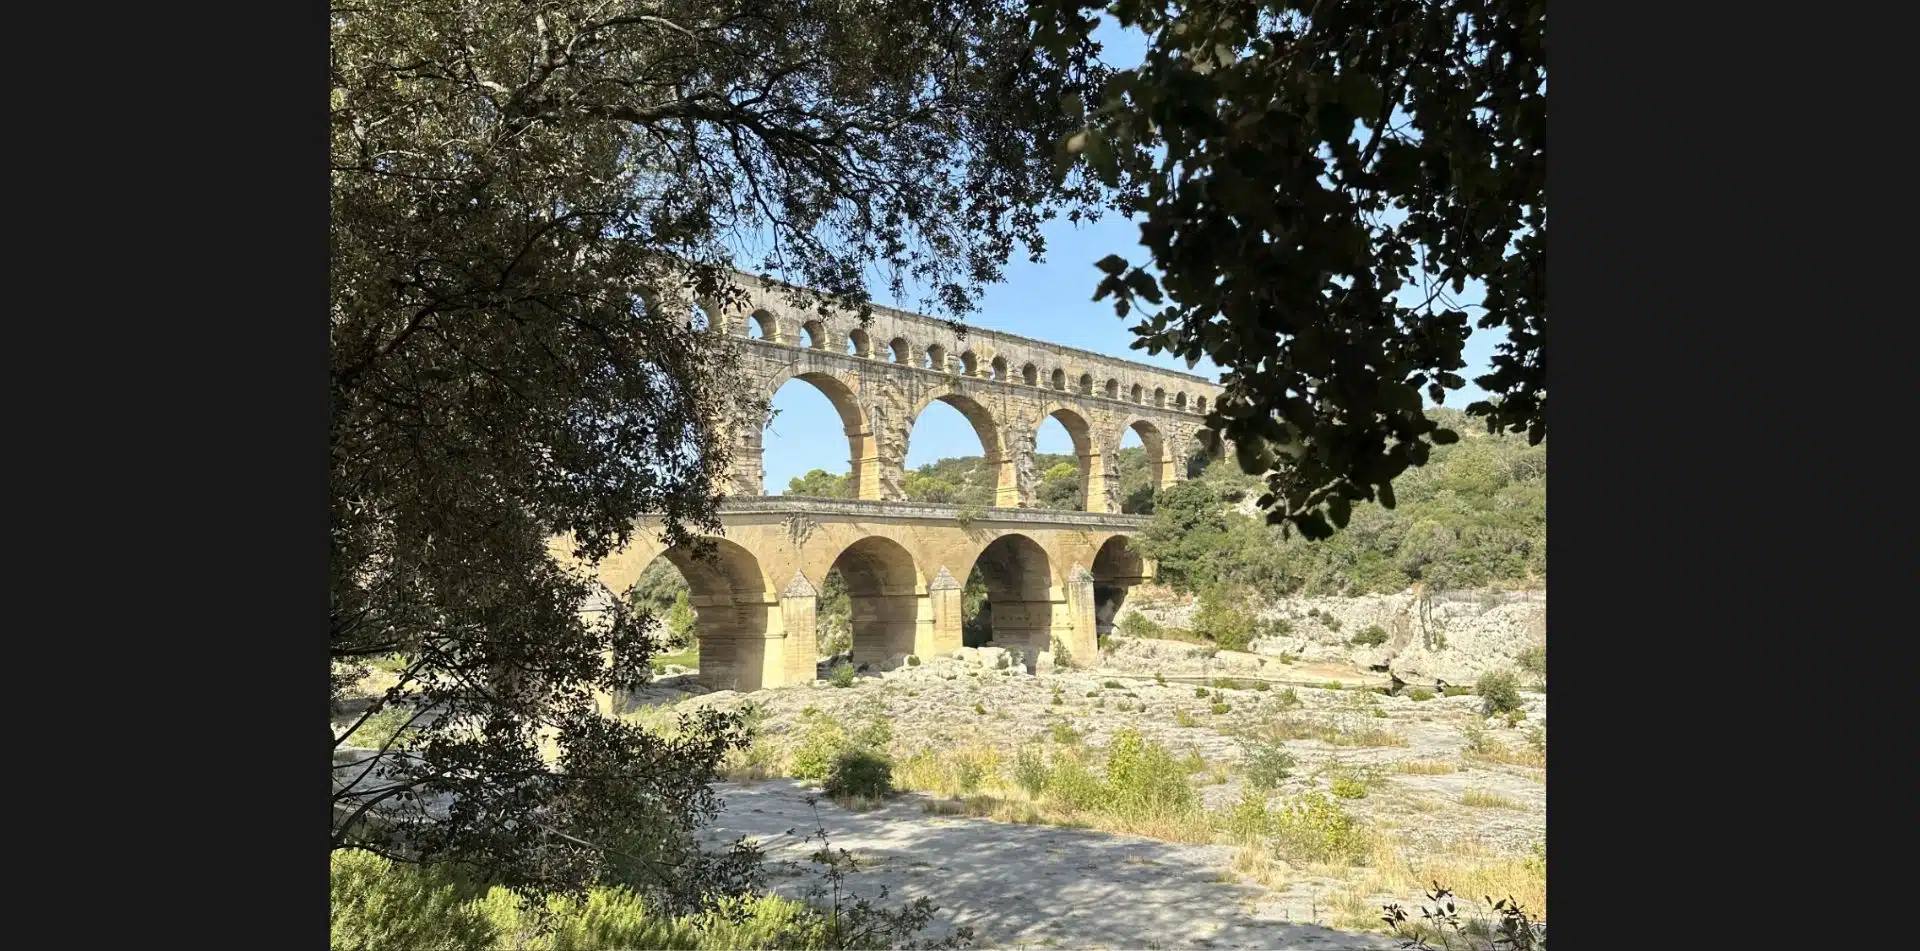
column 1051, row 576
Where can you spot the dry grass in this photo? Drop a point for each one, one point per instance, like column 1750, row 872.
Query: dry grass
column 1499, row 754
column 1426, row 767
column 1468, row 868
column 1484, row 799
column 1257, row 865
column 1343, row 732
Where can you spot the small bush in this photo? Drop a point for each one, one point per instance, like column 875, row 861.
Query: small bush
column 1200, row 692
column 1312, row 828
column 1498, row 692
column 1220, row 618
column 819, row 746
column 1182, row 718
column 841, row 674
column 980, row 708
column 1113, row 685
column 1030, row 772
column 1248, row 821
column 1064, row 734
column 1453, row 691
column 1420, row 693
column 1144, row 779
column 1220, row 708
column 1331, row 685
column 1160, row 678
column 1347, row 787
column 1139, row 625
column 1062, row 657
column 1095, row 692
column 1373, row 636
column 1332, row 623
column 1261, row 686
column 860, row 773
column 1266, row 762
column 1004, row 663
column 1072, row 785
column 1287, row 659
column 1533, row 660
column 1288, row 698
column 913, row 660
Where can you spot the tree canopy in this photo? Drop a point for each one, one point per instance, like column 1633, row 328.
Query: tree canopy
column 526, row 197
column 1318, row 183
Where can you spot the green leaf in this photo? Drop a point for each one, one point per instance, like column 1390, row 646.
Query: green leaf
column 1386, row 495
column 1112, row 264
column 1445, row 437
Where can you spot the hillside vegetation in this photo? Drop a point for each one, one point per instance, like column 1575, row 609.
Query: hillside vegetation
column 1475, row 515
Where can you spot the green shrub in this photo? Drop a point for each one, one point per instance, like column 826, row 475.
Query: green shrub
column 1160, row 678
column 1331, row 685
column 1332, row 623
column 1144, row 779
column 1288, row 698
column 1062, row 657
column 1113, row 685
column 1452, row 691
column 1346, row 787
column 860, row 772
column 1420, row 693
column 1220, row 708
column 1498, row 691
column 1139, row 625
column 980, row 708
column 1030, row 771
column 1072, row 785
column 1220, row 619
column 1261, row 686
column 913, row 660
column 841, row 674
column 1064, row 734
column 1312, row 828
column 819, row 746
column 1183, row 719
column 1373, row 636
column 1533, row 660
column 378, row 905
column 1265, row 762
column 1200, row 692
column 1058, row 697
column 1004, row 663
column 1248, row 820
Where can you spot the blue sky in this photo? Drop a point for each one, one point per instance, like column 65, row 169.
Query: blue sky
column 1052, row 301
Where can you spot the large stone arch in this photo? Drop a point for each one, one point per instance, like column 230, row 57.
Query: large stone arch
column 1019, row 575
column 1161, row 452
column 986, row 427
column 1116, row 568
column 1099, row 490
column 884, row 587
column 734, row 608
column 862, row 450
